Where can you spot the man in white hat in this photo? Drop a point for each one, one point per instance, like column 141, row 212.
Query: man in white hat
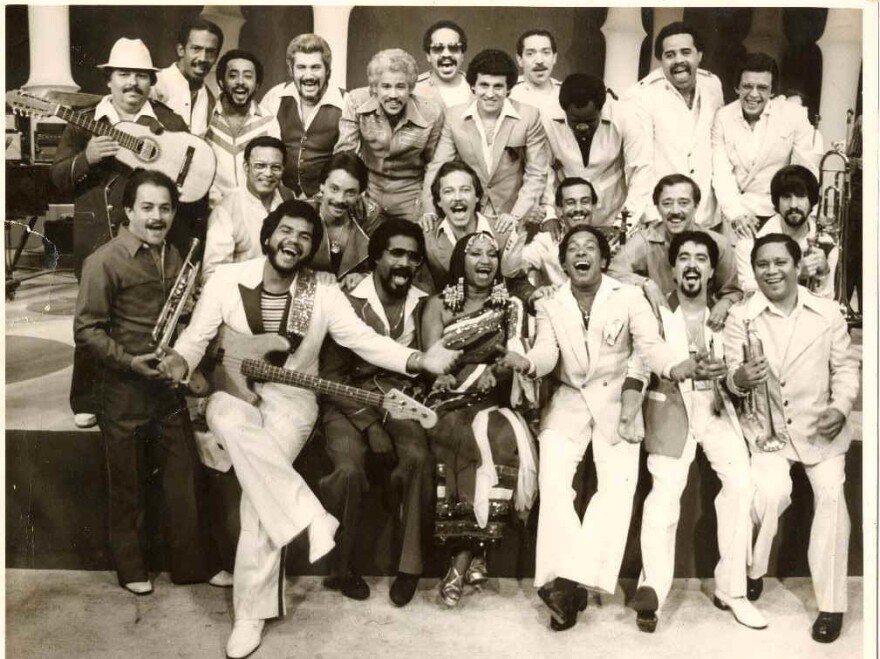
column 85, row 166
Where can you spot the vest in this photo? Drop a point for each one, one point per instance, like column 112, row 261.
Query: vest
column 307, row 150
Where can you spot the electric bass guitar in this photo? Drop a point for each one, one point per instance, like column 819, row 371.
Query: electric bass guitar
column 187, row 160
column 241, row 359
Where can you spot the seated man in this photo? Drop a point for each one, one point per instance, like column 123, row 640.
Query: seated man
column 677, row 418
column 644, row 261
column 812, row 380
column 538, row 254
column 387, row 302
column 794, row 192
column 349, row 218
column 265, row 430
column 586, row 336
column 501, row 140
column 393, row 130
column 236, row 119
column 445, row 44
column 753, row 137
column 234, row 225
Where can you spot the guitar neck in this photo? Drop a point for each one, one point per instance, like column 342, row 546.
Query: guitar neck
column 125, row 140
column 259, row 370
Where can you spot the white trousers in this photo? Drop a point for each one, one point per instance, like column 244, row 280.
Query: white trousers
column 276, row 503
column 589, row 552
column 726, row 451
column 829, row 534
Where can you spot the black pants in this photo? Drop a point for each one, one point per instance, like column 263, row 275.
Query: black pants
column 411, row 482
column 149, row 444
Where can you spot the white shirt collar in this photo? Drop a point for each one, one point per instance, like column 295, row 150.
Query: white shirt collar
column 507, row 110
column 483, row 224
column 105, row 108
column 366, row 290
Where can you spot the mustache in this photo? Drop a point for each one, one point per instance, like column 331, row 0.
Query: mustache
column 401, row 271
column 135, row 90
column 675, row 216
column 447, row 60
column 690, row 271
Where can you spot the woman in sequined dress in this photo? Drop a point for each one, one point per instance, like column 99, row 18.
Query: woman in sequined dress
column 485, row 454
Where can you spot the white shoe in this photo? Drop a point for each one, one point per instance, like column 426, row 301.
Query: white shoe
column 139, row 587
column 321, row 533
column 246, row 637
column 222, row 579
column 743, row 610
column 85, row 420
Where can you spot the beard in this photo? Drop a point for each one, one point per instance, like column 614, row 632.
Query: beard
column 394, row 289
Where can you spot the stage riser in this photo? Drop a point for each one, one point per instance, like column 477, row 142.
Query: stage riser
column 56, row 515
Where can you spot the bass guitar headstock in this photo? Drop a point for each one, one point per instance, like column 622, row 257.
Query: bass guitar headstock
column 401, row 406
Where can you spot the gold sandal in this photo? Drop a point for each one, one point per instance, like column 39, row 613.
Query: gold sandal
column 451, row 587
column 477, row 573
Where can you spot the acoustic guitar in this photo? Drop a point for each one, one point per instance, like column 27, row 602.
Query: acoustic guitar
column 239, row 359
column 187, row 160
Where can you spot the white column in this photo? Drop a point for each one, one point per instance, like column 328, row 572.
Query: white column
column 331, row 23
column 49, row 35
column 841, row 45
column 623, row 42
column 663, row 16
column 229, row 19
column 766, row 33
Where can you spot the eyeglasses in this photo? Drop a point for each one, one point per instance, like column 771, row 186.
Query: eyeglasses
column 263, row 166
column 453, row 48
column 398, row 253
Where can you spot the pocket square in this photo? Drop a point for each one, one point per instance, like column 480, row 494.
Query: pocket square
column 611, row 331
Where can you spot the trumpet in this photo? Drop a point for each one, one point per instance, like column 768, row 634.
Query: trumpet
column 752, row 418
column 163, row 331
column 832, row 224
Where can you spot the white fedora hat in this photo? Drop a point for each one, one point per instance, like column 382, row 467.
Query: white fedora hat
column 129, row 54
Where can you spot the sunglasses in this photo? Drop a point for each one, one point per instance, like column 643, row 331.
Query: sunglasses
column 453, row 48
column 398, row 253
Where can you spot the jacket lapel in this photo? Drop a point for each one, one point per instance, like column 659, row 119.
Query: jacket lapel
column 597, row 320
column 502, row 138
column 570, row 318
column 250, row 299
column 355, row 251
column 472, row 144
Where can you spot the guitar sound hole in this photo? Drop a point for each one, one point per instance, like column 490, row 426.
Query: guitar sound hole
column 149, row 151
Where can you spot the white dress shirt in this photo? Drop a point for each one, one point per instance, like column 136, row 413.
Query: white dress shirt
column 172, row 89
column 234, row 229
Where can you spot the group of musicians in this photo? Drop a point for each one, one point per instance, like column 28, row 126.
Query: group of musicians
column 528, row 257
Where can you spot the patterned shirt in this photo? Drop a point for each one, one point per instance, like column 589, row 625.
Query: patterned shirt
column 229, row 146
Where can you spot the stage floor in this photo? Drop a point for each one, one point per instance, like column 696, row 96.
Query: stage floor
column 86, row 614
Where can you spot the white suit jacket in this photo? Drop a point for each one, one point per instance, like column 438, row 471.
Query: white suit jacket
column 682, row 137
column 743, row 185
column 816, row 370
column 222, row 302
column 591, row 365
column 621, row 165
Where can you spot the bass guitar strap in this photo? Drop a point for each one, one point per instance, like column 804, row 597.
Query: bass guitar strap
column 301, row 307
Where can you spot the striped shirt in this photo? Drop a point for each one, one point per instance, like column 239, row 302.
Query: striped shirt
column 272, row 307
column 229, row 147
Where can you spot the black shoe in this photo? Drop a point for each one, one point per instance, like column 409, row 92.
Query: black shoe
column 557, row 601
column 564, row 605
column 645, row 604
column 403, row 588
column 826, row 629
column 352, row 586
column 754, row 588
column 581, row 598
